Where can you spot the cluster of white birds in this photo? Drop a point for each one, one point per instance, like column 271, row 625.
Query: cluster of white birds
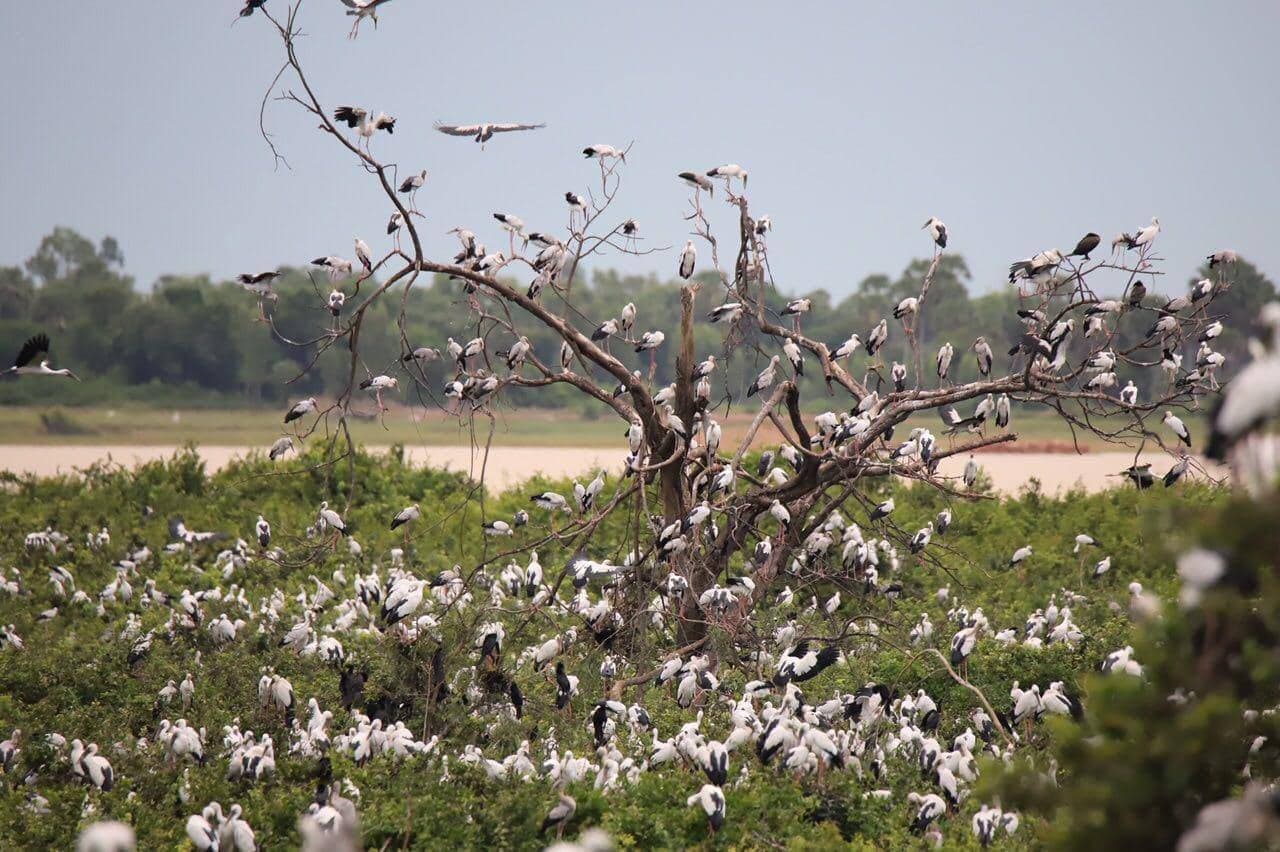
column 785, row 720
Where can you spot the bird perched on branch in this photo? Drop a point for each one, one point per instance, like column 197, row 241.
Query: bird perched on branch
column 1087, row 243
column 937, row 230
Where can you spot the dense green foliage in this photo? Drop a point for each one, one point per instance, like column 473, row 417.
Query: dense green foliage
column 195, row 341
column 72, row 676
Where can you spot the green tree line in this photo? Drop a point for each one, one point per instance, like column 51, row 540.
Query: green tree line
column 196, row 341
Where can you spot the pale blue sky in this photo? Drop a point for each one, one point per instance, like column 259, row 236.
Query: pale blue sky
column 1022, row 125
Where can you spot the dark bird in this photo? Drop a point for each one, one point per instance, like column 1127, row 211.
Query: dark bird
column 1087, row 243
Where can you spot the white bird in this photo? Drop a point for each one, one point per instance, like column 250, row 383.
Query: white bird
column 1020, row 555
column 1129, row 393
column 906, row 307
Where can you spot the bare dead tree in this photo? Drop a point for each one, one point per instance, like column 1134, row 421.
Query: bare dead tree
column 696, row 515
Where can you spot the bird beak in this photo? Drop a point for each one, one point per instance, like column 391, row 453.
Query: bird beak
column 73, row 375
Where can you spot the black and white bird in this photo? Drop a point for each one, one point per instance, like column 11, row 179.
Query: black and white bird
column 982, row 351
column 906, row 307
column 422, row 355
column 698, row 182
column 482, row 133
column 728, row 172
column 796, row 358
column 300, row 409
column 262, row 530
column 406, row 515
column 945, row 353
column 711, row 799
column 846, row 349
column 1129, row 393
column 1177, row 427
column 877, row 337
column 577, row 204
column 559, row 815
column 882, row 510
column 1144, row 236
column 929, row 807
column 497, row 528
column 688, row 258
column 260, row 284
column 802, row 662
column 283, row 445
column 728, row 312
column 364, row 255
column 1022, row 554
column 796, row 307
column 937, row 231
column 921, row 539
column 336, row 300
column 36, row 348
column 766, row 377
column 604, row 152
column 1223, row 256
column 650, row 341
column 338, row 267
column 362, row 9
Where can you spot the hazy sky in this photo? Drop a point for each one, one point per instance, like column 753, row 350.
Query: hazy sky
column 1022, row 125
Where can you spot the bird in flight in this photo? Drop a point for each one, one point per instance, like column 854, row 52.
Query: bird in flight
column 36, row 347
column 362, row 9
column 482, row 133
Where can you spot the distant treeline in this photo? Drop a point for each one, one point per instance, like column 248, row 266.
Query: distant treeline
column 192, row 341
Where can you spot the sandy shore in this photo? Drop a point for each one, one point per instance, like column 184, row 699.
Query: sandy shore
column 508, row 466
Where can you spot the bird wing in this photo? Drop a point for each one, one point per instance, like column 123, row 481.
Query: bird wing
column 34, row 346
column 458, row 129
column 506, row 128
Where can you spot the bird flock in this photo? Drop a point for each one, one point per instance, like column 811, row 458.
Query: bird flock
column 752, row 696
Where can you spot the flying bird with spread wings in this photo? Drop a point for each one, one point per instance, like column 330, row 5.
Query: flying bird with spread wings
column 482, row 133
column 362, row 9
column 36, row 349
